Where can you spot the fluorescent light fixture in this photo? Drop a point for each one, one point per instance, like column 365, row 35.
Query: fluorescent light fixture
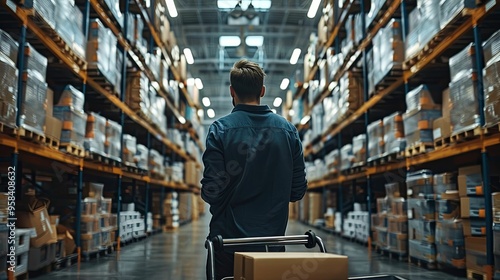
column 273, row 110
column 181, row 85
column 206, row 101
column 198, row 83
column 189, row 56
column 305, row 119
column 200, row 113
column 332, row 85
column 211, row 113
column 229, row 41
column 171, row 8
column 155, row 84
column 190, row 82
column 182, row 120
column 295, row 56
column 291, row 112
column 305, row 85
column 314, row 8
column 277, row 102
column 284, row 83
column 258, row 4
column 254, row 41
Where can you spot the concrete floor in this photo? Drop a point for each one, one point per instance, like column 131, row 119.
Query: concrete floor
column 181, row 256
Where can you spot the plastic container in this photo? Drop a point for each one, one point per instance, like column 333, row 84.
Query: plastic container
column 422, row 209
column 464, row 114
column 420, row 183
column 422, row 230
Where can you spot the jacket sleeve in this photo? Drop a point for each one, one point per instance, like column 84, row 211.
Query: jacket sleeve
column 215, row 178
column 299, row 182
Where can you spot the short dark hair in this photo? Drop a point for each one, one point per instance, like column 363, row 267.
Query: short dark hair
column 247, row 80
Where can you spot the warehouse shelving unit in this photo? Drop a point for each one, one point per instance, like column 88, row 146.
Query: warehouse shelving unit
column 71, row 69
column 479, row 148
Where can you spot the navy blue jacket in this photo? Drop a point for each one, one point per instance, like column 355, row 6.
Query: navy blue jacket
column 254, row 166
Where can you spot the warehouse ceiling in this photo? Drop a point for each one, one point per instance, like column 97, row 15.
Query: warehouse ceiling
column 284, row 27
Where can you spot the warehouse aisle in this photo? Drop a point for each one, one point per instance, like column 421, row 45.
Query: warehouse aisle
column 181, row 256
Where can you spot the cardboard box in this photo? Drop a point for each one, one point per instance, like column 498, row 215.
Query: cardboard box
column 475, row 247
column 191, row 174
column 69, row 242
column 441, row 128
column 474, row 228
column 37, row 218
column 271, row 266
column 50, row 102
column 495, row 199
column 472, row 207
column 474, row 169
column 446, row 107
column 468, row 177
column 53, row 127
column 315, row 207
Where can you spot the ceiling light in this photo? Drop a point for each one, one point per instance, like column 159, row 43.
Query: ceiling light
column 254, row 41
column 182, row 120
column 245, row 4
column 277, row 102
column 206, row 101
column 237, row 11
column 198, row 83
column 291, row 112
column 295, row 56
column 332, row 85
column 229, row 41
column 273, row 110
column 305, row 119
column 313, row 9
column 190, row 82
column 211, row 113
column 189, row 56
column 200, row 113
column 250, row 12
column 306, row 85
column 181, row 85
column 171, row 8
column 284, row 83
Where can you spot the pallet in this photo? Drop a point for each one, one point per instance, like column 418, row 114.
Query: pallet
column 386, row 158
column 42, row 271
column 455, row 271
column 52, row 142
column 389, row 78
column 65, row 262
column 99, row 158
column 442, row 142
column 423, row 263
column 419, row 149
column 101, row 80
column 400, row 256
column 451, row 27
column 133, row 169
column 476, row 275
column 30, row 135
column 466, row 135
column 7, row 129
column 95, row 254
column 72, row 149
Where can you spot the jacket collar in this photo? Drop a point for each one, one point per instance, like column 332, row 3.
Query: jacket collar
column 252, row 108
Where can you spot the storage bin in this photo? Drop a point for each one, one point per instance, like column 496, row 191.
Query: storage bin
column 422, row 250
column 422, row 230
column 398, row 243
column 450, row 233
column 451, row 255
column 22, row 240
column 422, row 209
column 41, row 257
column 420, row 183
column 448, row 209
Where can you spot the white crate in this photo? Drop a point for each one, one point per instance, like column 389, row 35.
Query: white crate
column 22, row 264
column 23, row 240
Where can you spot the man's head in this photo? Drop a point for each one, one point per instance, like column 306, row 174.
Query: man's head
column 247, row 82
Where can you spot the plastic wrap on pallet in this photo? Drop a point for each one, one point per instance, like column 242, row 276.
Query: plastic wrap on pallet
column 72, row 97
column 44, row 8
column 412, row 45
column 113, row 141
column 8, row 46
column 156, row 165
column 453, row 256
column 138, row 28
column 422, row 209
column 375, row 7
column 346, row 157
column 445, row 182
column 141, row 157
column 419, row 97
column 391, row 49
column 394, row 140
column 397, row 224
column 118, row 72
column 464, row 104
column 429, row 24
column 95, row 134
column 358, row 29
column 375, row 132
column 114, row 7
column 450, row 233
column 35, row 61
column 418, row 126
column 397, row 243
column 448, row 209
column 422, row 251
column 463, row 63
column 422, row 230
column 101, row 48
column 332, row 160
column 491, row 48
column 8, row 90
column 371, row 71
column 351, row 90
column 138, row 92
column 420, row 183
column 69, row 25
column 33, row 102
column 74, row 124
column 359, row 148
column 449, row 9
column 491, row 81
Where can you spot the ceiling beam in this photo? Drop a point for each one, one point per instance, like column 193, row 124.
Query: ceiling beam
column 233, row 60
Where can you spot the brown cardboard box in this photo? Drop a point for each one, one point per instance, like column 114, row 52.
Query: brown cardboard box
column 441, row 128
column 462, row 178
column 271, row 266
column 478, row 209
column 446, row 104
column 53, row 234
column 475, row 248
column 38, row 218
column 50, row 102
column 53, row 127
column 69, row 242
column 315, row 207
column 495, row 197
column 54, row 219
column 190, row 174
column 467, row 228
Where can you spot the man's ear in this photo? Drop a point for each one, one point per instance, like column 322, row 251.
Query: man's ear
column 263, row 91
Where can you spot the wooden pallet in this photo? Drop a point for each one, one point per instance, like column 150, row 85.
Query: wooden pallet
column 401, row 256
column 451, row 27
column 466, row 135
column 127, row 166
column 7, row 129
column 30, row 135
column 52, row 142
column 419, row 149
column 386, row 158
column 357, row 168
column 88, row 255
column 72, row 149
column 423, row 263
column 389, row 78
column 65, row 262
column 101, row 80
column 442, row 142
column 476, row 275
column 450, row 269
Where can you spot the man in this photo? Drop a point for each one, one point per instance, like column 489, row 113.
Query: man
column 254, row 166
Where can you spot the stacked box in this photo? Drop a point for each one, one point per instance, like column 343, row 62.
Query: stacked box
column 463, row 63
column 449, row 9
column 332, row 161
column 375, row 132
column 72, row 97
column 44, row 8
column 475, row 248
column 491, row 81
column 388, row 54
column 8, row 88
column 113, row 144
column 95, row 134
column 394, row 141
column 185, row 206
column 171, row 211
column 156, row 165
column 101, row 50
column 424, row 24
column 315, row 207
column 356, row 225
column 346, row 157
column 8, row 46
column 351, row 94
column 33, row 108
column 142, row 156
column 420, row 184
column 35, row 61
column 137, row 97
column 358, row 148
column 74, row 124
column 129, row 149
column 445, row 186
column 491, row 48
column 69, row 25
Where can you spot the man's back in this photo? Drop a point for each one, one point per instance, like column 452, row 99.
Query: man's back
column 253, row 167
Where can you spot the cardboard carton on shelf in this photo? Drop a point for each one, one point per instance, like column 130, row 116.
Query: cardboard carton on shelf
column 34, row 215
column 474, row 227
column 475, row 248
column 472, row 207
column 263, row 266
column 441, row 128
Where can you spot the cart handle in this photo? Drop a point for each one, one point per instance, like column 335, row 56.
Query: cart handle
column 309, row 239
